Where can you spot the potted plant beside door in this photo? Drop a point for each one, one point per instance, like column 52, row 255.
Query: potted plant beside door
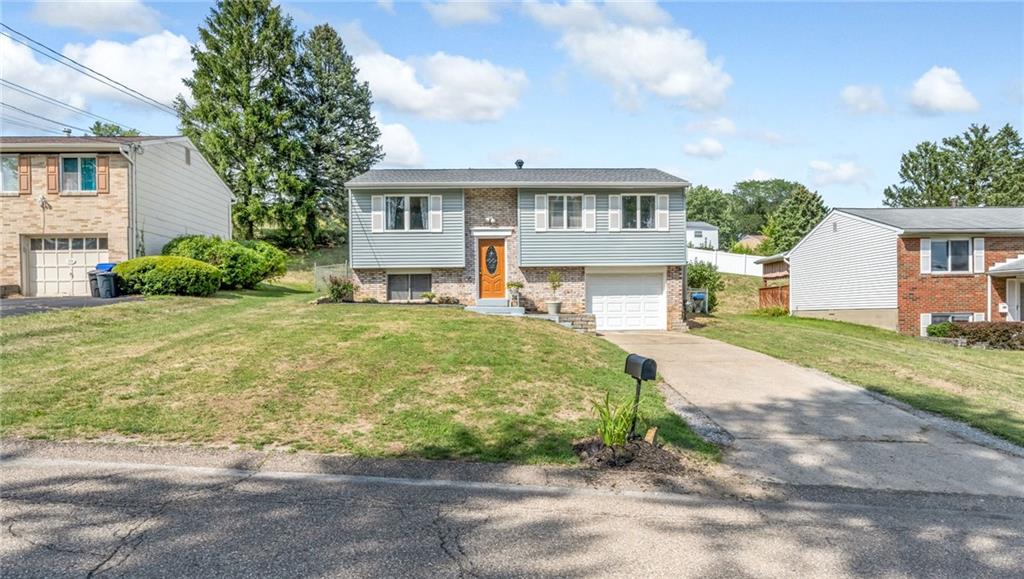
column 513, row 290
column 555, row 281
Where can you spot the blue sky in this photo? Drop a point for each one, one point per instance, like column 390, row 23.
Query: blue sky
column 827, row 94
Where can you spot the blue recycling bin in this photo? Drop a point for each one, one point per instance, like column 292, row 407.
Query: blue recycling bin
column 105, row 266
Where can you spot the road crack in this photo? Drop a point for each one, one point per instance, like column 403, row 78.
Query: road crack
column 449, row 539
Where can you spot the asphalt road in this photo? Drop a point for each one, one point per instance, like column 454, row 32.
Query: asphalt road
column 64, row 517
column 21, row 306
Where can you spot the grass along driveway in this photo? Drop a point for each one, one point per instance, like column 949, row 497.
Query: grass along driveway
column 984, row 388
column 266, row 368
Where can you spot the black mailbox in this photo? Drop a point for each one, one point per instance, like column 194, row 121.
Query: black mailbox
column 641, row 368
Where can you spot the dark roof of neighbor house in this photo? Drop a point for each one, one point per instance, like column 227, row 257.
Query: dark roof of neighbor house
column 700, row 225
column 944, row 219
column 381, row 178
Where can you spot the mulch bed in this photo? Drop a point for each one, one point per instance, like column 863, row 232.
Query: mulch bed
column 636, row 455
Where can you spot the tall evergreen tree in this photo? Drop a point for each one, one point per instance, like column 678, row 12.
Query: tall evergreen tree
column 338, row 133
column 241, row 111
column 794, row 218
column 977, row 167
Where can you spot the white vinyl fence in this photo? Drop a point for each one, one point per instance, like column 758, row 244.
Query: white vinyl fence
column 321, row 273
column 726, row 262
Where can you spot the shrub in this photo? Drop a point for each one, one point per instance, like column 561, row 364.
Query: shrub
column 195, row 246
column 448, row 300
column 167, row 275
column 772, row 312
column 275, row 261
column 429, row 296
column 555, row 281
column 998, row 335
column 940, row 330
column 614, row 421
column 341, row 289
column 241, row 266
column 370, row 300
column 702, row 275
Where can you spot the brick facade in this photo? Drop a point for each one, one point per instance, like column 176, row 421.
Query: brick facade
column 498, row 209
column 922, row 293
column 101, row 214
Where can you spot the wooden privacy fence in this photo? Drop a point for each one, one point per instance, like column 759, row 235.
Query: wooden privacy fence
column 774, row 297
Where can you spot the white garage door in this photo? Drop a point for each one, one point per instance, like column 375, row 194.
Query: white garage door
column 627, row 301
column 58, row 266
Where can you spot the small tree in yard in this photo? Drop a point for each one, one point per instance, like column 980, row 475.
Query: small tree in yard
column 702, row 275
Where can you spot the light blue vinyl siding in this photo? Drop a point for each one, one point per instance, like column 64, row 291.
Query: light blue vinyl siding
column 393, row 249
column 602, row 247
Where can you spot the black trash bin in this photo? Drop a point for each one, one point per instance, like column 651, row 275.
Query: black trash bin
column 94, row 287
column 106, row 280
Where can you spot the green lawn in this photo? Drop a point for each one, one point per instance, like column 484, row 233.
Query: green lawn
column 266, row 368
column 984, row 388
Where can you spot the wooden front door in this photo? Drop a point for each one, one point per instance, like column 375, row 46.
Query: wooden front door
column 492, row 268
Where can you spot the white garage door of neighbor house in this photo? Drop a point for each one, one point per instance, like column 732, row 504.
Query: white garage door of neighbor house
column 627, row 301
column 59, row 266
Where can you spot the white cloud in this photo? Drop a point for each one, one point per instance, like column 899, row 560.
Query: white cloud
column 99, row 16
column 641, row 12
column 452, row 13
column 457, row 88
column 356, row 41
column 760, row 175
column 843, row 173
column 863, row 99
column 940, row 90
column 642, row 53
column 707, row 147
column 715, row 126
column 152, row 64
column 400, row 146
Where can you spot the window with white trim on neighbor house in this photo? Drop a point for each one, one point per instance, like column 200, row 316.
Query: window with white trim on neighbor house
column 951, row 255
column 10, row 174
column 565, row 211
column 639, row 211
column 407, row 212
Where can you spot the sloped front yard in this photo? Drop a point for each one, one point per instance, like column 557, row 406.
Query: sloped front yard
column 266, row 368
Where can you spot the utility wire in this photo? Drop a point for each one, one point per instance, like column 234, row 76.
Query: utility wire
column 49, row 120
column 27, row 124
column 85, row 70
column 54, row 101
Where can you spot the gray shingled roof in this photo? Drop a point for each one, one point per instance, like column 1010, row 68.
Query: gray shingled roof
column 1014, row 267
column 951, row 219
column 47, row 140
column 513, row 177
column 700, row 225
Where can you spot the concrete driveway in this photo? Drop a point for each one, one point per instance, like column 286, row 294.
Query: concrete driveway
column 798, row 426
column 22, row 306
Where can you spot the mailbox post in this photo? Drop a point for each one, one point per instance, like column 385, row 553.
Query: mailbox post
column 641, row 369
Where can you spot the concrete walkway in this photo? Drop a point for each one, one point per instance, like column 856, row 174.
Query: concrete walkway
column 795, row 425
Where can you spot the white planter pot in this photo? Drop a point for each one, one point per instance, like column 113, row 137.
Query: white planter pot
column 554, row 308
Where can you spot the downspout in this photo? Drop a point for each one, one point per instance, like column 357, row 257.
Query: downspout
column 988, row 310
column 128, row 152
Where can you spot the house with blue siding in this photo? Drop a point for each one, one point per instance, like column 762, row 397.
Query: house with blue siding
column 616, row 237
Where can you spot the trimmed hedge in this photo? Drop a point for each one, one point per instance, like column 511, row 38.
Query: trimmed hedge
column 167, row 275
column 998, row 335
column 940, row 330
column 242, row 266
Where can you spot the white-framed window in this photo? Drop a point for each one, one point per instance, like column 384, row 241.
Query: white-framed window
column 639, row 212
column 403, row 287
column 67, row 243
column 407, row 212
column 952, row 317
column 9, row 166
column 78, row 173
column 951, row 255
column 565, row 212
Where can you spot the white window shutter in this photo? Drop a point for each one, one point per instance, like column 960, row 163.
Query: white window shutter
column 540, row 212
column 979, row 316
column 589, row 213
column 614, row 212
column 377, row 213
column 926, row 320
column 926, row 255
column 661, row 221
column 979, row 255
column 436, row 217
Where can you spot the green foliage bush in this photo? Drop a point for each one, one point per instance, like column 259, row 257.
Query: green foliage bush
column 772, row 312
column 614, row 421
column 167, row 275
column 941, row 330
column 702, row 275
column 998, row 335
column 341, row 289
column 242, row 266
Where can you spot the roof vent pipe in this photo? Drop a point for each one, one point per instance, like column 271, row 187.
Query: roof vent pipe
column 519, row 163
column 67, row 132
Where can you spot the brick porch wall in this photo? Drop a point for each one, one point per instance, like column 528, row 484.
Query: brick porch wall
column 101, row 214
column 931, row 293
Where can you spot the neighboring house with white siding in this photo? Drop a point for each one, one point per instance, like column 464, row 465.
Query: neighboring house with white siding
column 617, row 237
column 701, row 234
column 69, row 203
column 906, row 268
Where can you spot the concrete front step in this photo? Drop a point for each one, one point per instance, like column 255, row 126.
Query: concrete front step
column 492, row 303
column 497, row 310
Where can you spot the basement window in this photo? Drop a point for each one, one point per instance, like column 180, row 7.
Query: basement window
column 942, row 318
column 404, row 287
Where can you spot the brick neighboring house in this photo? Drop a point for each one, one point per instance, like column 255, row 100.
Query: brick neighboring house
column 68, row 203
column 616, row 236
column 904, row 269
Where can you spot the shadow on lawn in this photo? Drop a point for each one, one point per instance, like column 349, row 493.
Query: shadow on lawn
column 264, row 291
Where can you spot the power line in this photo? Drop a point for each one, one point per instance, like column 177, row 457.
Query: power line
column 29, row 125
column 85, row 70
column 54, row 101
column 49, row 120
